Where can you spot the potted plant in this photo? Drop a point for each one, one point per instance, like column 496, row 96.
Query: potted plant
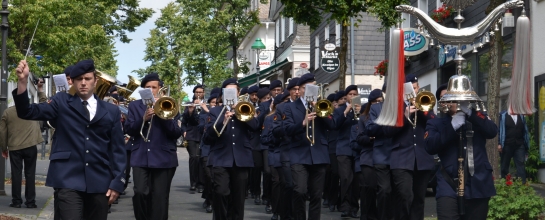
column 442, row 13
column 381, row 69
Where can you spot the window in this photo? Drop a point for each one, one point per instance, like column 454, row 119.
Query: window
column 277, row 33
column 291, row 26
column 423, row 5
column 337, row 34
column 326, row 33
column 282, row 29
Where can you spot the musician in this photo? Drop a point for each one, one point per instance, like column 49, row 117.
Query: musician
column 154, row 162
column 331, row 186
column 230, row 158
column 368, row 181
column 244, row 90
column 285, row 140
column 276, row 88
column 308, row 161
column 261, row 151
column 190, row 121
column 67, row 72
column 272, row 143
column 205, row 175
column 442, row 137
column 87, row 156
column 382, row 148
column 441, row 90
column 411, row 166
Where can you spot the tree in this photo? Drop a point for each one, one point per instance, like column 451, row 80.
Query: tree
column 310, row 13
column 69, row 31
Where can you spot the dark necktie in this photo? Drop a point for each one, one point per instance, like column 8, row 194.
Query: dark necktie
column 86, row 110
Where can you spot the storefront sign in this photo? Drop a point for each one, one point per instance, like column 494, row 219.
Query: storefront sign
column 364, row 91
column 330, row 59
column 414, row 42
column 265, row 59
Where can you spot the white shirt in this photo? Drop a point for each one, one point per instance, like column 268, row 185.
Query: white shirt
column 304, row 102
column 91, row 106
column 514, row 118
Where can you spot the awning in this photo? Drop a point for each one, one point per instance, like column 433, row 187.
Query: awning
column 263, row 74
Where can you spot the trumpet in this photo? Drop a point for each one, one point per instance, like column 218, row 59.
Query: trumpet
column 244, row 111
column 165, row 108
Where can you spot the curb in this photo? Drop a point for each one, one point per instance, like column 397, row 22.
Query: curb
column 48, row 212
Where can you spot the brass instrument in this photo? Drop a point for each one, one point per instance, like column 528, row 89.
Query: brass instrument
column 104, row 83
column 164, row 107
column 126, row 92
column 323, row 107
column 244, row 111
column 310, row 109
column 425, row 101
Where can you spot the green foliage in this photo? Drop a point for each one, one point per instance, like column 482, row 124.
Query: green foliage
column 534, row 160
column 515, row 200
column 385, row 11
column 70, row 31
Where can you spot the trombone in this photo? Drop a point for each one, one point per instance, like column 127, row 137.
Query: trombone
column 424, row 101
column 244, row 111
column 165, row 108
column 323, row 107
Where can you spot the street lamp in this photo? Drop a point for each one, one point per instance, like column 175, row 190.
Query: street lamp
column 258, row 46
column 4, row 82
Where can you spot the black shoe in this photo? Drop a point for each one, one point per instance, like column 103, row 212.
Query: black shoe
column 331, row 207
column 205, row 204
column 325, row 203
column 246, row 195
column 265, row 202
column 209, row 209
column 345, row 215
column 274, row 217
column 268, row 209
column 257, row 201
column 353, row 215
column 109, row 209
column 15, row 205
column 31, row 206
column 200, row 190
column 252, row 196
column 193, row 189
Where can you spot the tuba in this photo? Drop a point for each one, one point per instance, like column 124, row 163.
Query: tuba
column 104, row 83
column 126, row 92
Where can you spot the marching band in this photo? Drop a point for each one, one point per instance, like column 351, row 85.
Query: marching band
column 282, row 146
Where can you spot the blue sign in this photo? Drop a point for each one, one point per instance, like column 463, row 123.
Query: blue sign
column 414, row 42
column 442, row 57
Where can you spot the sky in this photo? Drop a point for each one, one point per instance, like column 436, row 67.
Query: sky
column 131, row 55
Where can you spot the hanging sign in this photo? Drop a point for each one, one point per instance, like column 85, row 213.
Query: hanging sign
column 330, row 58
column 414, row 42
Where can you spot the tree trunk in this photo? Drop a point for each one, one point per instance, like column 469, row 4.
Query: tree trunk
column 343, row 55
column 494, row 99
column 494, row 76
column 235, row 55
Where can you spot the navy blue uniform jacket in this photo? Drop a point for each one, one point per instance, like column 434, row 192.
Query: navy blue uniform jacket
column 301, row 151
column 364, row 142
column 272, row 143
column 442, row 139
column 87, row 156
column 205, row 148
column 190, row 123
column 344, row 125
column 382, row 146
column 160, row 150
column 408, row 146
column 356, row 148
column 280, row 133
column 232, row 147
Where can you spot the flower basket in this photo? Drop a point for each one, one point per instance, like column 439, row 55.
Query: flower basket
column 382, row 68
column 442, row 13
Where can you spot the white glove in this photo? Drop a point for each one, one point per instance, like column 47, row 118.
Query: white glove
column 464, row 105
column 458, row 120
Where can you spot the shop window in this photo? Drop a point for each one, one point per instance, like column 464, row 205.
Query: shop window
column 506, row 68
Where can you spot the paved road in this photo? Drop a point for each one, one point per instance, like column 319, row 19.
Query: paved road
column 183, row 205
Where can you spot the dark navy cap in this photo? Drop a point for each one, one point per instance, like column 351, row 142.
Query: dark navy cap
column 197, row 86
column 339, row 95
column 68, row 70
column 411, row 78
column 441, row 88
column 331, row 97
column 150, row 77
column 244, row 91
column 229, row 82
column 253, row 89
column 278, row 99
column 114, row 88
column 212, row 96
column 82, row 67
column 293, row 83
column 285, row 94
column 275, row 83
column 375, row 94
column 350, row 88
column 262, row 92
column 309, row 77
